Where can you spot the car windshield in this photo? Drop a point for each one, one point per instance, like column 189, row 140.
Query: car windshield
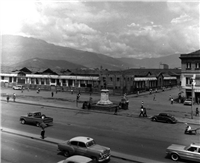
column 90, row 143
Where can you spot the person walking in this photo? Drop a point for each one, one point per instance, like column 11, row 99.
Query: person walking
column 144, row 112
column 142, row 104
column 14, row 97
column 7, row 97
column 141, row 111
column 42, row 126
column 172, row 101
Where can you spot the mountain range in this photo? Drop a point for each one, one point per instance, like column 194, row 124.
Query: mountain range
column 19, row 51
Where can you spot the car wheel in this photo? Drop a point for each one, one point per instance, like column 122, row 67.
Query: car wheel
column 168, row 121
column 66, row 154
column 174, row 157
column 94, row 159
column 23, row 121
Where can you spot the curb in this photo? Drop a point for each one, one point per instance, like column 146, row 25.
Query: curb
column 114, row 154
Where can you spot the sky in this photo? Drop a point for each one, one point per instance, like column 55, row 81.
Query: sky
column 135, row 29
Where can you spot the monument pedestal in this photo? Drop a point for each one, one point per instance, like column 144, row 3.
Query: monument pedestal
column 104, row 98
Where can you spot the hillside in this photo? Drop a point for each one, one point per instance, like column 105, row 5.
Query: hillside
column 17, row 49
column 172, row 60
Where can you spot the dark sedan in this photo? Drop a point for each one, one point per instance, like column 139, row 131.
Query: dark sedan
column 164, row 117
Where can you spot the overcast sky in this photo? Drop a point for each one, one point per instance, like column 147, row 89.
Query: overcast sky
column 114, row 28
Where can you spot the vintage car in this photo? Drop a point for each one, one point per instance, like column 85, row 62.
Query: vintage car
column 77, row 159
column 164, row 117
column 84, row 146
column 36, row 118
column 188, row 102
column 18, row 87
column 191, row 152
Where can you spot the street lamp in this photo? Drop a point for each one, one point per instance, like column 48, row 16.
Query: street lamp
column 193, row 84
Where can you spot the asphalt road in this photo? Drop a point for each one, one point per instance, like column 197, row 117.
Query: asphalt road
column 17, row 149
column 134, row 136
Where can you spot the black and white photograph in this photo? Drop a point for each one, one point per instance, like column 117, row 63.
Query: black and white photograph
column 100, row 81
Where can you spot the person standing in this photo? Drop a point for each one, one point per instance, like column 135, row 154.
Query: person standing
column 7, row 97
column 14, row 97
column 52, row 94
column 172, row 101
column 142, row 104
column 42, row 126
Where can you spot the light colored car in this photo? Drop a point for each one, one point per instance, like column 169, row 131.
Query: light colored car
column 191, row 152
column 77, row 159
column 18, row 87
column 84, row 146
column 188, row 102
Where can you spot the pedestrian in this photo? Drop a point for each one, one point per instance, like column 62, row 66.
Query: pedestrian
column 197, row 111
column 154, row 97
column 170, row 97
column 42, row 126
column 142, row 104
column 116, row 109
column 144, row 112
column 89, row 105
column 52, row 94
column 28, row 89
column 172, row 100
column 141, row 111
column 14, row 97
column 78, row 96
column 7, row 97
column 22, row 90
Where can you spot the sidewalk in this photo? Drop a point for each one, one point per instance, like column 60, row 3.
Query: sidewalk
column 114, row 154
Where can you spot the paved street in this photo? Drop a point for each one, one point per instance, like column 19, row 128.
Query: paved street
column 124, row 126
column 67, row 100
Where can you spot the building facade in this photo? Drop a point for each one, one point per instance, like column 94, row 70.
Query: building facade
column 190, row 74
column 118, row 82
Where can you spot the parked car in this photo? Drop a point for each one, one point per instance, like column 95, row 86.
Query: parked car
column 164, row 117
column 18, row 87
column 36, row 118
column 190, row 152
column 188, row 102
column 77, row 159
column 85, row 146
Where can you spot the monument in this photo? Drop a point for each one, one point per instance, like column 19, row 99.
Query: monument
column 104, row 98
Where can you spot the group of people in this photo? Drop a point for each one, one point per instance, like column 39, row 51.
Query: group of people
column 8, row 97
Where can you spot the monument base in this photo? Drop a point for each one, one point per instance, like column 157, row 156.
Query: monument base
column 104, row 107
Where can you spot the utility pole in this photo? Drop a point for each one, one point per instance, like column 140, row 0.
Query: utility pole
column 193, row 83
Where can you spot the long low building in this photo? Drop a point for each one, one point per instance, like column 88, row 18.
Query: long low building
column 118, row 82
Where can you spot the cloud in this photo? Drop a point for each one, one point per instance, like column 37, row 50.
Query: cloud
column 134, row 29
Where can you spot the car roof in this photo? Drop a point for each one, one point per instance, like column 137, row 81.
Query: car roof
column 77, row 158
column 195, row 145
column 83, row 139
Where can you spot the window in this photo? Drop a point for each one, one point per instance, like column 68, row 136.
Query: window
column 188, row 65
column 74, row 143
column 188, row 81
column 2, row 78
column 192, row 149
column 197, row 66
column 117, row 79
column 81, row 144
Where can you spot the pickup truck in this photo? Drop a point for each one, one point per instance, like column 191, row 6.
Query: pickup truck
column 85, row 146
column 36, row 118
